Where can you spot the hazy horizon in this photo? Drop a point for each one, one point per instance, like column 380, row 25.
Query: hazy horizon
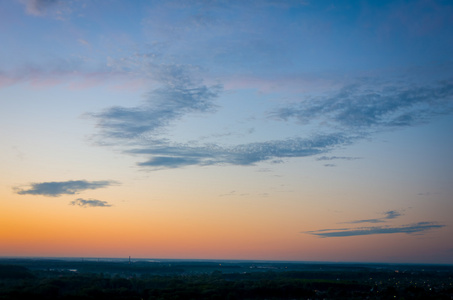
column 212, row 260
column 235, row 130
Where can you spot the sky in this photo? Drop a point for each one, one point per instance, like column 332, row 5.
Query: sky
column 256, row 130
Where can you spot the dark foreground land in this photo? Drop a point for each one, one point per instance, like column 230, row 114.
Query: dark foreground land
column 170, row 279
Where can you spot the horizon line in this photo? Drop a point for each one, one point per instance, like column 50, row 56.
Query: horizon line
column 157, row 260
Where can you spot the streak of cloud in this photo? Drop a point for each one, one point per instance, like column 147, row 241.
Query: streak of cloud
column 56, row 189
column 391, row 214
column 337, row 157
column 347, row 232
column 170, row 156
column 89, row 203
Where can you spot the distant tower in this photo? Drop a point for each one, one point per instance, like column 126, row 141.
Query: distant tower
column 129, row 260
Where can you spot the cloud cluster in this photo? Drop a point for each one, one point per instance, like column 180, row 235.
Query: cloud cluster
column 356, row 109
column 58, row 188
column 198, row 40
column 89, row 203
column 181, row 92
column 353, row 113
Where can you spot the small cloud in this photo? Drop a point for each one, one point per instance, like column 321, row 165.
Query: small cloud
column 83, row 42
column 90, row 203
column 277, row 161
column 427, row 194
column 330, row 165
column 231, row 193
column 38, row 7
column 264, row 170
column 234, row 193
column 365, row 221
column 392, row 214
column 337, row 157
column 169, row 162
column 56, row 9
column 19, row 154
column 346, row 232
column 56, row 189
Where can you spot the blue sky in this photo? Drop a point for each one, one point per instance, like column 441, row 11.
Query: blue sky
column 340, row 110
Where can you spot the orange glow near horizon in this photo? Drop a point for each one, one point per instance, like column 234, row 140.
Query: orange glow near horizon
column 113, row 232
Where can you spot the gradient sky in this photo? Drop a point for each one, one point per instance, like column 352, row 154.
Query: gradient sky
column 276, row 130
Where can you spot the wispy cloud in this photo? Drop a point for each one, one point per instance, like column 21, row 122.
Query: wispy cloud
column 181, row 92
column 427, row 194
column 38, row 7
column 164, row 155
column 353, row 113
column 57, row 9
column 337, row 157
column 89, row 203
column 389, row 215
column 164, row 105
column 362, row 107
column 371, row 230
column 46, row 76
column 347, row 232
column 56, row 189
column 347, row 112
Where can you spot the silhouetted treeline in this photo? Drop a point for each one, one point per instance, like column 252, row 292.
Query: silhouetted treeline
column 14, row 272
column 42, row 281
